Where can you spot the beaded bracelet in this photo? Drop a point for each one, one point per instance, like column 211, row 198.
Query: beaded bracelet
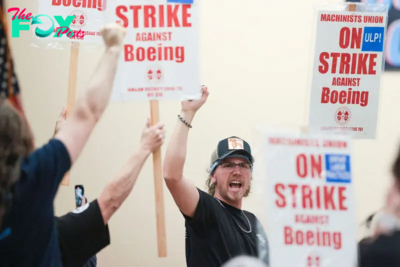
column 185, row 122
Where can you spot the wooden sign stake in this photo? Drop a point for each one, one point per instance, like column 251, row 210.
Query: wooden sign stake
column 158, row 186
column 73, row 73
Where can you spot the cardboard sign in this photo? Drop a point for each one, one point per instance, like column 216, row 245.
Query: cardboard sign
column 347, row 72
column 87, row 23
column 311, row 210
column 161, row 51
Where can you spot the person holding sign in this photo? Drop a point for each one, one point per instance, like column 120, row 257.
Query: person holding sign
column 29, row 179
column 84, row 232
column 217, row 228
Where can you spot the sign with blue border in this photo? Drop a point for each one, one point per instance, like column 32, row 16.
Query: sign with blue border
column 337, row 168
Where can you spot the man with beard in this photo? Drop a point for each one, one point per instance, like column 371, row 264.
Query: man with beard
column 217, row 228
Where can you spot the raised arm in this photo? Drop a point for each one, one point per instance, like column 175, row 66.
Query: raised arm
column 183, row 190
column 89, row 108
column 119, row 189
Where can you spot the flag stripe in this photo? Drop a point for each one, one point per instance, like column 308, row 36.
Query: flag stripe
column 8, row 82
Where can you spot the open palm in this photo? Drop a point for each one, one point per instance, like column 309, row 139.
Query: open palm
column 194, row 105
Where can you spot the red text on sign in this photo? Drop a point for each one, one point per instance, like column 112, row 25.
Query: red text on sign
column 304, row 164
column 171, row 16
column 344, row 97
column 160, row 53
column 350, row 38
column 351, row 18
column 312, row 219
column 338, row 81
column 153, row 36
column 313, row 238
column 80, row 3
column 355, row 63
column 340, row 18
column 373, row 19
column 326, row 197
column 335, row 143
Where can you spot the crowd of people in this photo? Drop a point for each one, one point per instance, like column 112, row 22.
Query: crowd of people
column 219, row 233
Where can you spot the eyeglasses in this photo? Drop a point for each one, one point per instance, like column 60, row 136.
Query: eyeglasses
column 230, row 166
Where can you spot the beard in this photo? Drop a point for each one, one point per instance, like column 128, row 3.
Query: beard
column 231, row 194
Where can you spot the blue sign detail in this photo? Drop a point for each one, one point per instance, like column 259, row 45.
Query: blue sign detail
column 337, row 168
column 373, row 39
column 180, row 1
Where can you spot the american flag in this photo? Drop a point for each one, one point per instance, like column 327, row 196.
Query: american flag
column 9, row 87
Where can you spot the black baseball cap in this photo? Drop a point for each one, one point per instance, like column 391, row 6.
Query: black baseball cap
column 230, row 147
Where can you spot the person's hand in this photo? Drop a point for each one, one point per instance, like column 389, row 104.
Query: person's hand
column 192, row 106
column 61, row 120
column 392, row 205
column 113, row 35
column 152, row 137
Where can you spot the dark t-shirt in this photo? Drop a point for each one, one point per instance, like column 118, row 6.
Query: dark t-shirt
column 218, row 232
column 384, row 251
column 82, row 234
column 28, row 236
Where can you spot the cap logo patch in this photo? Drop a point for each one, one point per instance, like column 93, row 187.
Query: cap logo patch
column 235, row 143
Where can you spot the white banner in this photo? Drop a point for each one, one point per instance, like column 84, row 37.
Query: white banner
column 161, row 50
column 311, row 210
column 347, row 72
column 87, row 22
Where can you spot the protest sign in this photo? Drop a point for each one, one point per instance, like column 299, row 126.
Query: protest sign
column 311, row 210
column 159, row 62
column 87, row 21
column 161, row 50
column 347, row 71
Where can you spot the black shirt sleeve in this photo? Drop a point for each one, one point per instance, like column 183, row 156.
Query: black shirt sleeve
column 82, row 234
column 47, row 166
column 204, row 214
